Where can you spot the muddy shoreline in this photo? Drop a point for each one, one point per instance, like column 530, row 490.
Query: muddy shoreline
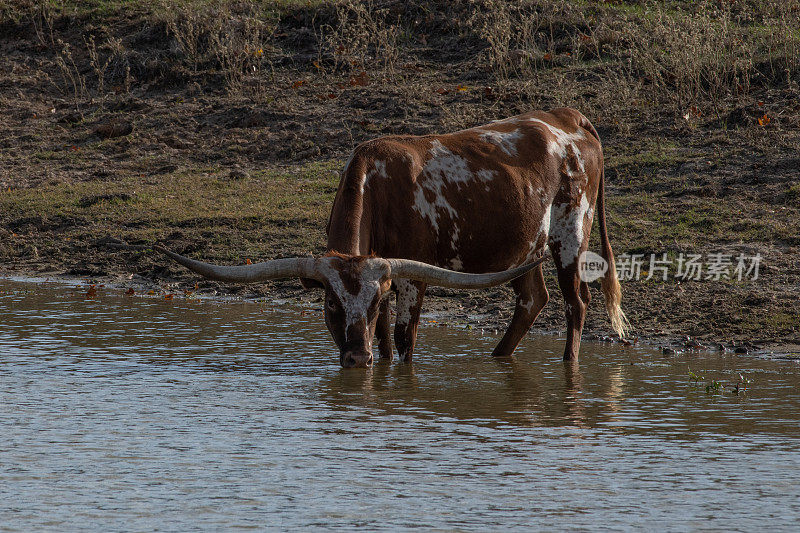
column 439, row 310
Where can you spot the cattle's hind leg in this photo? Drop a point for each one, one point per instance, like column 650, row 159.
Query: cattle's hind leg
column 531, row 299
column 382, row 331
column 409, row 305
column 574, row 306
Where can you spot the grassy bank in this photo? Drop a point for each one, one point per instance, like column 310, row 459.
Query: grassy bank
column 219, row 128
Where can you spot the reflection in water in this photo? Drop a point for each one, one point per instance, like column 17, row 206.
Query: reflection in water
column 136, row 413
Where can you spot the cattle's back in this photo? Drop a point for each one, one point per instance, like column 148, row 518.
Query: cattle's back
column 476, row 200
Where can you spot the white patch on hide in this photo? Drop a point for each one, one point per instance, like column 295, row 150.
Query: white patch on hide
column 362, row 183
column 563, row 139
column 407, row 295
column 378, row 170
column 506, row 141
column 510, row 120
column 443, row 169
column 566, row 229
column 542, row 196
column 527, row 305
column 355, row 305
column 544, row 225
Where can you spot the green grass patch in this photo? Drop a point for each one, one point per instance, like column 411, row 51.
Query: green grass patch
column 289, row 206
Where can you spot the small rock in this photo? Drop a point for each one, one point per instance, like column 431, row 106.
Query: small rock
column 71, row 118
column 114, row 128
column 237, row 173
column 174, row 142
column 666, row 350
column 741, row 349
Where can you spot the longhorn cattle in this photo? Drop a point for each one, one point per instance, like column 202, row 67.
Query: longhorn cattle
column 448, row 209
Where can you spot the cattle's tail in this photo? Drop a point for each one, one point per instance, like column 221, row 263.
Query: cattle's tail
column 612, row 293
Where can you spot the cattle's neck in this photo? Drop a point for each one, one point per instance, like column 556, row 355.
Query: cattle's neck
column 347, row 232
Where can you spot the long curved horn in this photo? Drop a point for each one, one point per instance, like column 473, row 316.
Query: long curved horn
column 406, row 268
column 294, row 267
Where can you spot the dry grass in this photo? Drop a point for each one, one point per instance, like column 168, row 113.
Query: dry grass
column 360, row 37
column 683, row 55
column 676, row 54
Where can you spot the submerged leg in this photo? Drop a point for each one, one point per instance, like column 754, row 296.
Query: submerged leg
column 574, row 308
column 531, row 298
column 409, row 305
column 383, row 331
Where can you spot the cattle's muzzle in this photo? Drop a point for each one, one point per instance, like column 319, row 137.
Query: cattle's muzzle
column 356, row 359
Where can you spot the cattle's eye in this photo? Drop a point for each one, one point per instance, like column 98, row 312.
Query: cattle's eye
column 330, row 303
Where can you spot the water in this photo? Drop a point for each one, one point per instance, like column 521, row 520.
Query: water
column 120, row 413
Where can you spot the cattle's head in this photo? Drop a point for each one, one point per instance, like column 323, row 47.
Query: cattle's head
column 354, row 287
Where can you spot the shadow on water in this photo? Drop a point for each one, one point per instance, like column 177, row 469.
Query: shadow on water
column 521, row 391
column 636, row 391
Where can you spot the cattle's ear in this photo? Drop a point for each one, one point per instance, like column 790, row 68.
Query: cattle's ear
column 309, row 283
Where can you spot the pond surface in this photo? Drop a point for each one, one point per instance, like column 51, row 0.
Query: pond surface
column 131, row 413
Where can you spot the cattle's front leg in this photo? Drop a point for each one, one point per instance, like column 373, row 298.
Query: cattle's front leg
column 383, row 331
column 531, row 298
column 409, row 305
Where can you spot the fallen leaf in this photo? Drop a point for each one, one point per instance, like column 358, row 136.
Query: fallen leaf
column 248, row 262
column 763, row 121
column 359, row 80
column 442, row 90
column 298, row 84
column 130, row 292
column 548, row 57
column 462, row 88
column 169, row 296
column 92, row 292
column 411, row 66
